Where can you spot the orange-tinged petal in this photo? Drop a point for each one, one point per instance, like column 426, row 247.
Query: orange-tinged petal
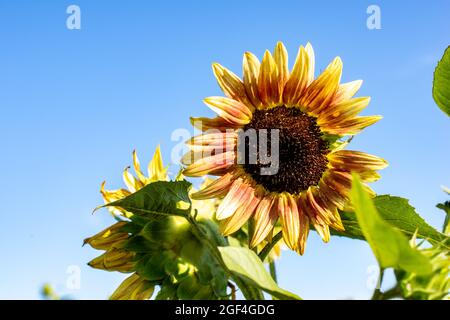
column 241, row 216
column 321, row 211
column 231, row 85
column 269, row 92
column 352, row 126
column 298, row 80
column 369, row 176
column 323, row 230
column 217, row 188
column 320, row 93
column 209, row 164
column 288, row 212
column 356, row 161
column 326, row 210
column 281, row 59
column 251, row 66
column 239, row 193
column 343, row 111
column 229, row 109
column 331, row 195
column 213, row 143
column 217, row 123
column 214, row 138
column 304, row 226
column 265, row 219
column 346, row 91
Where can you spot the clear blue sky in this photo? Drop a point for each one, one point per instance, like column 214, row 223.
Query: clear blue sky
column 75, row 103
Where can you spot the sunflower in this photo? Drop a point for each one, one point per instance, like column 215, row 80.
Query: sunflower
column 160, row 247
column 311, row 116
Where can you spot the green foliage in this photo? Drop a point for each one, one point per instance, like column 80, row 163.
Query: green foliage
column 441, row 83
column 390, row 246
column 398, row 213
column 433, row 286
column 158, row 198
column 245, row 264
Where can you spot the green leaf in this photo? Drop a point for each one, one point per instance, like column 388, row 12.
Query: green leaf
column 158, row 198
column 441, row 83
column 446, row 207
column 390, row 246
column 245, row 264
column 398, row 213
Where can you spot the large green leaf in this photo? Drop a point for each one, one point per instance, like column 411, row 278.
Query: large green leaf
column 390, row 246
column 245, row 264
column 400, row 214
column 441, row 83
column 158, row 198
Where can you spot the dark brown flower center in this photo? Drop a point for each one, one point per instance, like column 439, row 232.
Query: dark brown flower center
column 301, row 148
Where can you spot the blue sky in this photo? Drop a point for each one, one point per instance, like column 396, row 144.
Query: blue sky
column 75, row 103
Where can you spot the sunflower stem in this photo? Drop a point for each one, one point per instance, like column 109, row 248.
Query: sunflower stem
column 377, row 294
column 273, row 271
column 266, row 250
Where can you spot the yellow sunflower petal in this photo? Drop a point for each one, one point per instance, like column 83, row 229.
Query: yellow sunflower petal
column 133, row 288
column 265, row 219
column 289, row 216
column 304, row 228
column 356, row 161
column 323, row 230
column 251, row 66
column 231, row 85
column 298, row 80
column 318, row 210
column 229, row 109
column 114, row 260
column 311, row 63
column 239, row 193
column 346, row 91
column 213, row 143
column 130, row 181
column 113, row 195
column 213, row 138
column 281, row 59
column 331, row 195
column 156, row 170
column 210, row 164
column 107, row 238
column 241, row 216
column 137, row 168
column 216, row 188
column 269, row 92
column 352, row 126
column 322, row 90
column 342, row 111
column 217, row 123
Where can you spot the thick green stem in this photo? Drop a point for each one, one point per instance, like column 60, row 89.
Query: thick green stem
column 273, row 271
column 377, row 292
column 266, row 250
